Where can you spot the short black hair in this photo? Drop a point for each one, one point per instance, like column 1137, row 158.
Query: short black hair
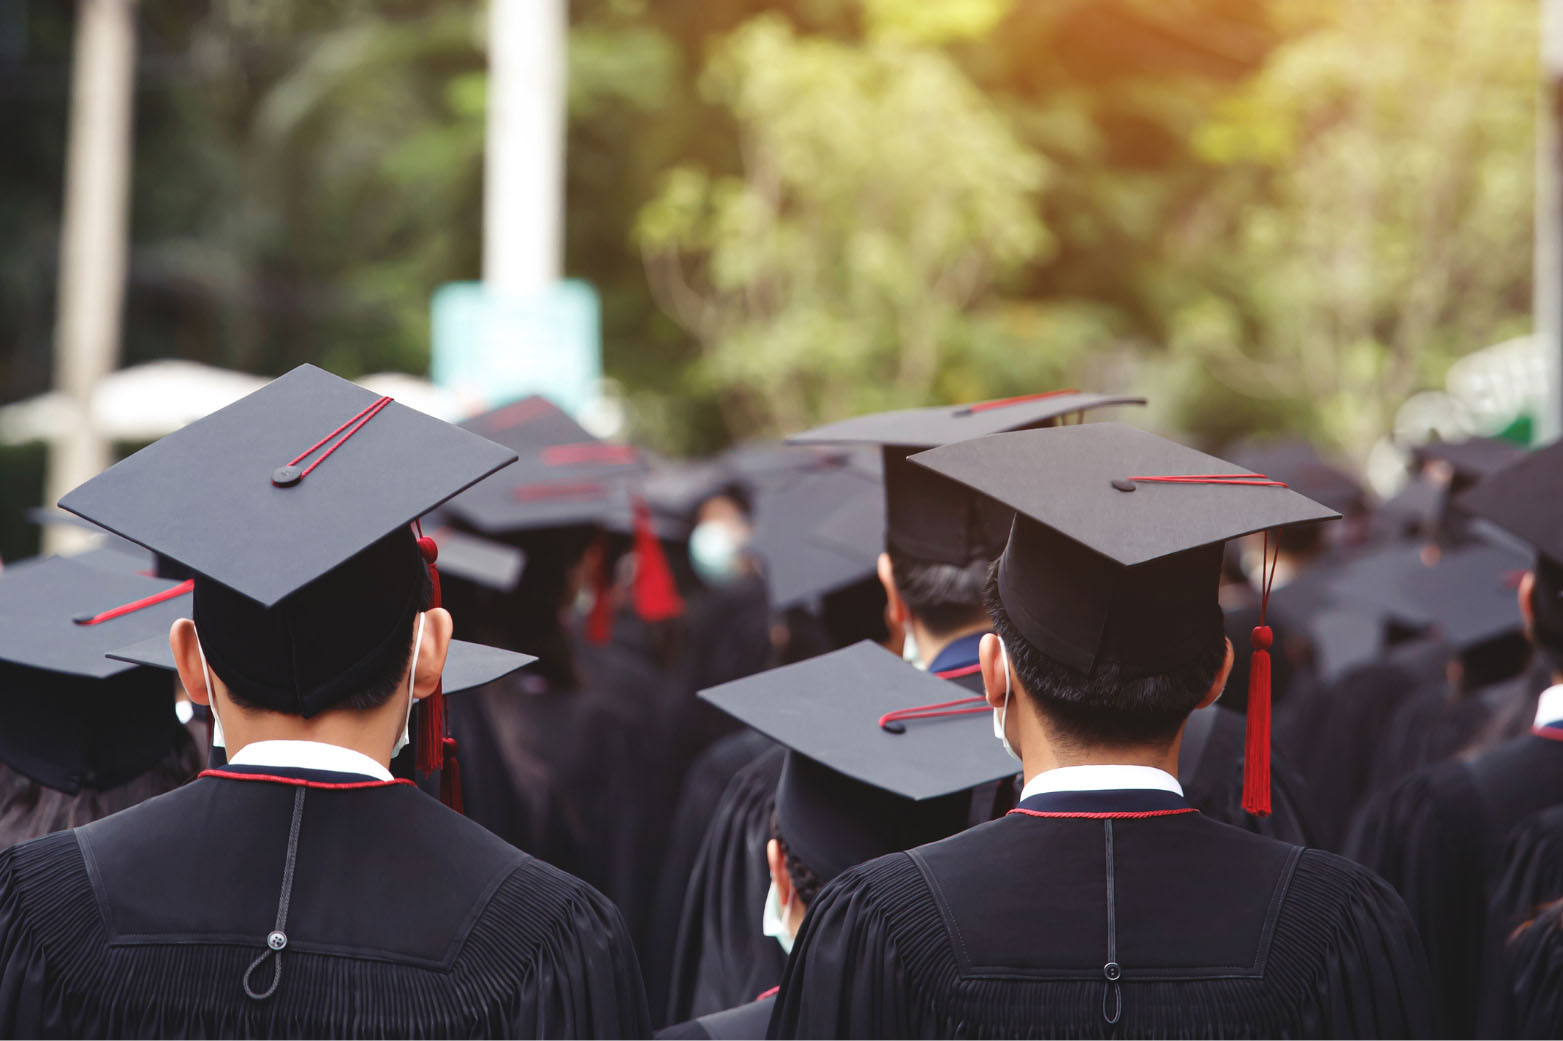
column 805, row 881
column 385, row 676
column 944, row 597
column 1111, row 704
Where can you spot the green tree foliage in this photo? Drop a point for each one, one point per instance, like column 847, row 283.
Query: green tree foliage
column 1371, row 220
column 882, row 196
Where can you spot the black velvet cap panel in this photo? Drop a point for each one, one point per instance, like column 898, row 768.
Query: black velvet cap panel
column 41, row 598
column 828, row 708
column 473, row 558
column 204, row 495
column 1470, row 459
column 799, row 565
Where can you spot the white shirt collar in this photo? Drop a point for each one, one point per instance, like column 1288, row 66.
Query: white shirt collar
column 1100, row 778
column 1549, row 707
column 309, row 755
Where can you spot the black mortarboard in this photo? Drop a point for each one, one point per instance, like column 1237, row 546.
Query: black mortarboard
column 1525, row 498
column 1116, row 548
column 564, row 477
column 467, row 665
column 853, row 790
column 292, row 507
column 1465, row 595
column 789, row 504
column 71, row 717
column 473, row 558
column 925, row 517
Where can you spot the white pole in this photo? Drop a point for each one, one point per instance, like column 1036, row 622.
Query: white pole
column 523, row 170
column 93, row 239
column 1548, row 290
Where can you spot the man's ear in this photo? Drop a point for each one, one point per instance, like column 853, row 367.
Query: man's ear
column 437, row 628
column 187, row 660
column 896, row 607
column 1220, row 682
column 1527, row 611
column 995, row 669
column 778, row 864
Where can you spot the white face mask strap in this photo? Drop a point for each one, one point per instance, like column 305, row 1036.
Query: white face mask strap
column 412, row 682
column 1004, row 659
column 218, row 738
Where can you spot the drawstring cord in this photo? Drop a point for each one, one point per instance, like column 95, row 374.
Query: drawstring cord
column 284, row 476
column 277, row 939
column 136, row 605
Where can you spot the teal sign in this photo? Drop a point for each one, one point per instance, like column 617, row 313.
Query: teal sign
column 498, row 348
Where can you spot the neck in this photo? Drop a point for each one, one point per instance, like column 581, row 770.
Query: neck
column 362, row 732
column 1051, row 752
column 930, row 645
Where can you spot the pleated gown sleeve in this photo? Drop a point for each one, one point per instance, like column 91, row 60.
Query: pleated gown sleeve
column 1428, row 839
column 1531, row 1002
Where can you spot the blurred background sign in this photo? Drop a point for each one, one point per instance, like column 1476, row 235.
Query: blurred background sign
column 497, row 347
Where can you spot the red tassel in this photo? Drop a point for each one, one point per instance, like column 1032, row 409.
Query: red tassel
column 656, row 596
column 450, row 778
column 599, row 622
column 431, row 712
column 1256, row 752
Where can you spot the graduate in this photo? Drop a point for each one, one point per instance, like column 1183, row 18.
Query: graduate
column 1438, row 837
column 935, row 540
column 83, row 735
column 852, row 787
column 302, row 890
column 1105, row 904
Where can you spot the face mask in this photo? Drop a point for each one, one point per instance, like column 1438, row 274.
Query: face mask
column 412, row 677
column 774, row 920
column 909, row 651
column 1001, row 714
column 715, row 552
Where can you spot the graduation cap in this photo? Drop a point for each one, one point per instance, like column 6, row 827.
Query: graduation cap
column 1467, row 462
column 925, row 517
column 292, row 508
column 852, row 789
column 468, row 666
column 1115, row 551
column 1466, row 594
column 1525, row 498
column 70, row 717
column 801, row 566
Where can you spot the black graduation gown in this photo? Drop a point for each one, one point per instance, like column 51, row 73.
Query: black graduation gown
column 1438, row 837
column 506, row 785
column 722, row 957
column 705, row 784
column 1531, row 878
column 748, row 1020
column 1330, row 733
column 402, row 918
column 1112, row 914
column 1531, row 1002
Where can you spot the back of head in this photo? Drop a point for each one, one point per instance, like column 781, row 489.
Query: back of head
column 944, row 597
column 1112, row 703
column 343, row 640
